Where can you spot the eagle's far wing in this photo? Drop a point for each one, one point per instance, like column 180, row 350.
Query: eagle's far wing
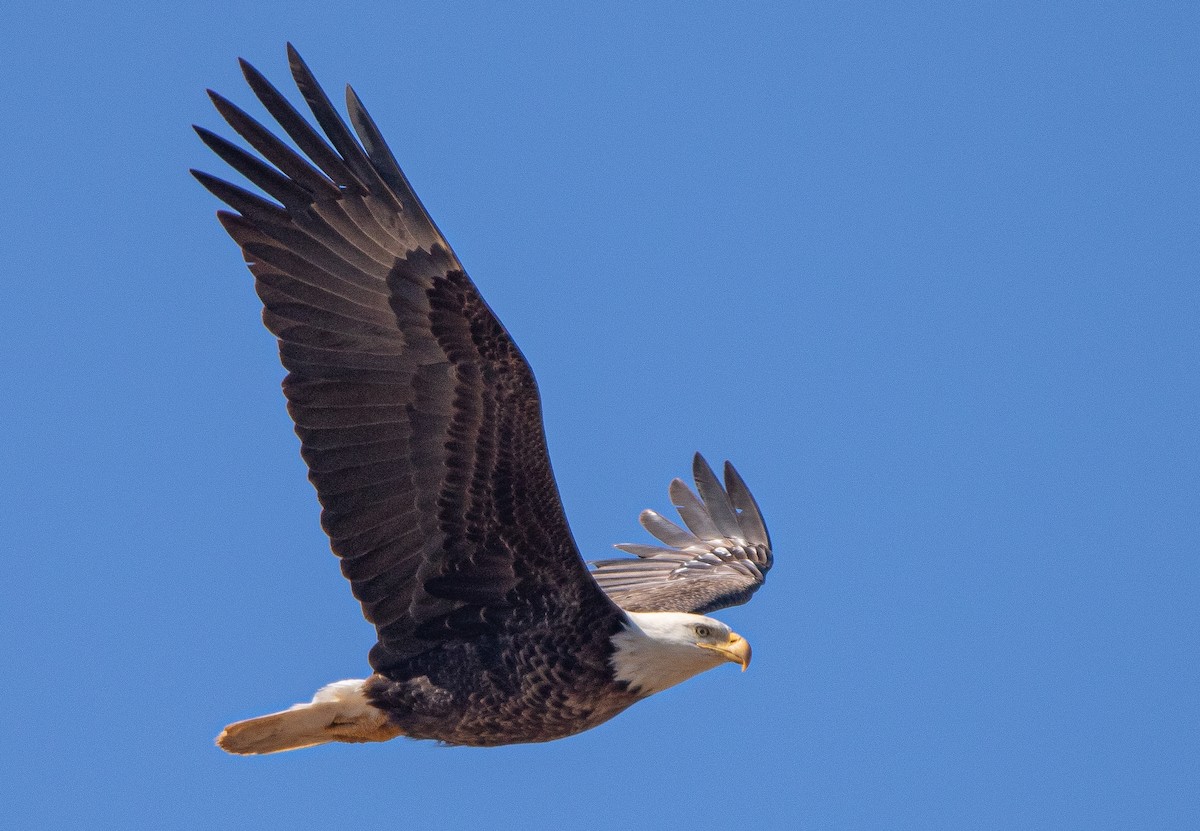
column 718, row 560
column 418, row 417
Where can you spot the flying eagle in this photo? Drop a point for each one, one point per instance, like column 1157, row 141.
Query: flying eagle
column 421, row 425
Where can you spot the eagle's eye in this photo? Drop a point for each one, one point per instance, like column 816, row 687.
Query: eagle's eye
column 703, row 631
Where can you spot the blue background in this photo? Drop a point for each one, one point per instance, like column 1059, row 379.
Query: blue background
column 926, row 272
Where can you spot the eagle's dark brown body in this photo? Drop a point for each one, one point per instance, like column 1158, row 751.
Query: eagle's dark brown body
column 543, row 685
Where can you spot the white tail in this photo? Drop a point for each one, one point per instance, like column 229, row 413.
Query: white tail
column 339, row 712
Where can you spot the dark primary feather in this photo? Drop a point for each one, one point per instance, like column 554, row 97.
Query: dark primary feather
column 418, row 417
column 718, row 560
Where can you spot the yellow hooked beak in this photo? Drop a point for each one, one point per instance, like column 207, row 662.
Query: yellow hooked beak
column 736, row 649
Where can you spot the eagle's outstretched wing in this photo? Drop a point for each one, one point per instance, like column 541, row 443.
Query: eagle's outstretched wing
column 718, row 560
column 418, row 417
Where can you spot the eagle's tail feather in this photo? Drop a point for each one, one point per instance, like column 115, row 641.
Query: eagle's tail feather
column 339, row 712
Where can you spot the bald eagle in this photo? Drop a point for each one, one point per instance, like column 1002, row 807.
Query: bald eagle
column 420, row 423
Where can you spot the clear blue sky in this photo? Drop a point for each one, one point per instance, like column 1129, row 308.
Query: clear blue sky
column 927, row 272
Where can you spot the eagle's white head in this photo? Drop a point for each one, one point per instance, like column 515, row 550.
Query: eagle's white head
column 661, row 649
